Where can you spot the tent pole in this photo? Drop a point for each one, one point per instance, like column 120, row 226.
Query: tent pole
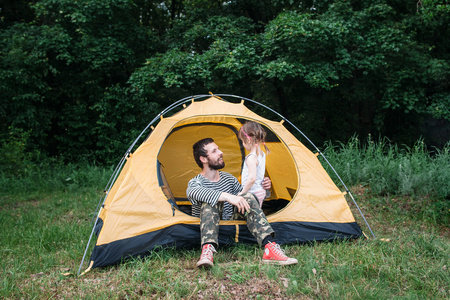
column 108, row 186
column 99, row 208
column 89, row 242
column 362, row 215
column 351, row 196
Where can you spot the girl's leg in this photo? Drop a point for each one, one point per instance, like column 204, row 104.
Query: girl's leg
column 260, row 195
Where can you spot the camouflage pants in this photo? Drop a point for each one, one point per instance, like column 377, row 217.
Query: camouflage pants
column 256, row 221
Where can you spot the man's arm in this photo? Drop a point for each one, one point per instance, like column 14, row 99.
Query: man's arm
column 237, row 201
column 197, row 193
column 266, row 183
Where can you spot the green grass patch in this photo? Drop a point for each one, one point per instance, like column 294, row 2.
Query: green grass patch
column 45, row 222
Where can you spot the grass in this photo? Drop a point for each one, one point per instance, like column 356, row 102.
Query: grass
column 42, row 246
column 45, row 221
column 389, row 170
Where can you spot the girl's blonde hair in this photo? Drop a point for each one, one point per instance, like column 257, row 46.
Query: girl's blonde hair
column 254, row 132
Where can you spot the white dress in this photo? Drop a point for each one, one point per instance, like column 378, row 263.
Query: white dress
column 257, row 188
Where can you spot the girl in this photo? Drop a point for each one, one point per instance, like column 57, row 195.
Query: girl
column 252, row 135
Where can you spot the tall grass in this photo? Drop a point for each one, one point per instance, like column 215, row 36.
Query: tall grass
column 389, row 169
column 48, row 177
column 386, row 169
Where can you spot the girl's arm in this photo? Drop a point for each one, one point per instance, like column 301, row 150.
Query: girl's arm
column 252, row 163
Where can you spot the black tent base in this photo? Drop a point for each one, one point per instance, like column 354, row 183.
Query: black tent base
column 188, row 236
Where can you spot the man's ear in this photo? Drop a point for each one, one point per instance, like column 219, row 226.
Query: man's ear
column 203, row 159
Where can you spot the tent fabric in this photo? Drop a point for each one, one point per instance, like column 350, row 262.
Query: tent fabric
column 137, row 217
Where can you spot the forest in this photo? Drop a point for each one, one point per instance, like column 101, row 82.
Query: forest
column 367, row 81
column 79, row 79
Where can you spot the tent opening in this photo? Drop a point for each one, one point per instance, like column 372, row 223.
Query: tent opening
column 176, row 164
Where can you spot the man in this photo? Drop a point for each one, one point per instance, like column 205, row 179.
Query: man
column 213, row 195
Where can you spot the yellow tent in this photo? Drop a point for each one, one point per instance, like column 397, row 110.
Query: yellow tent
column 147, row 207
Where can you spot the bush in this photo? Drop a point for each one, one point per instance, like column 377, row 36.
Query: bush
column 15, row 160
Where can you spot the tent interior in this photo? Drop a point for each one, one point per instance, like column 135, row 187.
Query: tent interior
column 177, row 165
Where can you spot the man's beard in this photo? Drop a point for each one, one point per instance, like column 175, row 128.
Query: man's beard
column 216, row 165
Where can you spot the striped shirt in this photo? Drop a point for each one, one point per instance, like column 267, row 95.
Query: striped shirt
column 201, row 190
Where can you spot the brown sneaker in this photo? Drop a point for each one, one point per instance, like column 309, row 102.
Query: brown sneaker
column 206, row 259
column 274, row 255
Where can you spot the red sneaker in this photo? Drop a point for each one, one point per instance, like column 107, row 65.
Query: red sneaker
column 206, row 259
column 274, row 255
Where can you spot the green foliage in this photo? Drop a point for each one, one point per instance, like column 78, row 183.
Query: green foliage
column 335, row 68
column 54, row 71
column 25, row 68
column 440, row 106
column 15, row 160
column 388, row 170
column 121, row 117
column 49, row 177
column 211, row 54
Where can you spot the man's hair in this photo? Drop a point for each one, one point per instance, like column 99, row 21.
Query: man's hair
column 199, row 150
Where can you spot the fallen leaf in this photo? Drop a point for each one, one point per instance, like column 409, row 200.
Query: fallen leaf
column 285, row 281
column 38, row 274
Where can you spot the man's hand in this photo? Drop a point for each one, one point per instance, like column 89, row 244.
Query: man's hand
column 240, row 203
column 266, row 183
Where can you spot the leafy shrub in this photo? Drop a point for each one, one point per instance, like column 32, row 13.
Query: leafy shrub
column 15, row 160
